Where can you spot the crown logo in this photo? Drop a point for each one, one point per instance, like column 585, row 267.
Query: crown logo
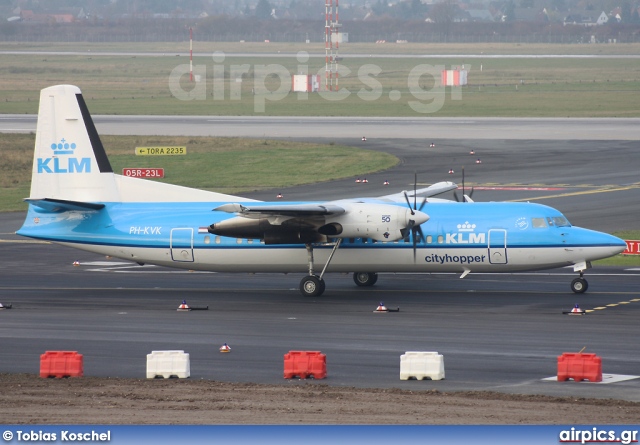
column 466, row 227
column 63, row 148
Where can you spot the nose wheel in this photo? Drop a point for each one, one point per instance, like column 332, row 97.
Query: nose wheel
column 579, row 285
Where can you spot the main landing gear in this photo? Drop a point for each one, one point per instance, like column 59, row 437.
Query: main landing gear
column 579, row 285
column 365, row 279
column 313, row 285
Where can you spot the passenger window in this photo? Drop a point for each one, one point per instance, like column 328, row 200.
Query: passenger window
column 207, row 239
column 440, row 239
column 429, row 239
column 538, row 223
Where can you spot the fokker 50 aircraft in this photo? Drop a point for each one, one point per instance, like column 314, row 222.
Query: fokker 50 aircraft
column 77, row 200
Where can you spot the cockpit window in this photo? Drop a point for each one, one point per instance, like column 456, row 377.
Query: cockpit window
column 558, row 221
column 538, row 223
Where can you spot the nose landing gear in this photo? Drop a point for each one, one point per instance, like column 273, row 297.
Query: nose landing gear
column 579, row 285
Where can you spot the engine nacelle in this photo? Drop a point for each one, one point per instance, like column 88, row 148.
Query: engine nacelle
column 239, row 227
column 262, row 229
column 381, row 222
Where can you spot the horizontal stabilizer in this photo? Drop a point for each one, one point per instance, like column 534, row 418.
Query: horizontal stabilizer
column 61, row 205
column 432, row 190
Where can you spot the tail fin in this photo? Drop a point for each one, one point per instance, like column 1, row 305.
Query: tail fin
column 69, row 162
column 71, row 169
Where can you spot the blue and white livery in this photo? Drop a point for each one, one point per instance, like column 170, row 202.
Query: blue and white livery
column 77, row 200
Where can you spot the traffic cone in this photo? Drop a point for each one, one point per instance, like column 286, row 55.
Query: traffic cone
column 386, row 182
column 225, row 348
column 76, row 263
column 358, row 181
column 478, row 161
column 450, row 171
column 364, row 138
column 184, row 306
column 472, row 152
column 279, row 196
column 381, row 308
column 364, row 181
column 432, row 145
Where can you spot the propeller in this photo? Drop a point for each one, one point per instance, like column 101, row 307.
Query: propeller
column 412, row 227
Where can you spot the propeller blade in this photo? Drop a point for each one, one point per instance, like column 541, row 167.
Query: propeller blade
column 415, row 242
column 406, row 197
column 463, row 200
column 455, row 195
column 418, row 236
column 415, row 189
column 424, row 201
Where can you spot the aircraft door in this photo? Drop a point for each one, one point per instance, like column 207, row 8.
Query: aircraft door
column 181, row 245
column 497, row 246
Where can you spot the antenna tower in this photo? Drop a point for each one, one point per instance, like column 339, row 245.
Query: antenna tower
column 331, row 43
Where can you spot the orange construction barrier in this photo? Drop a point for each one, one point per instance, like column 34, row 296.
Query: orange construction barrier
column 578, row 366
column 304, row 364
column 61, row 364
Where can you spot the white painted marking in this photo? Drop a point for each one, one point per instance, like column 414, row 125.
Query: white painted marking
column 606, row 379
column 105, row 263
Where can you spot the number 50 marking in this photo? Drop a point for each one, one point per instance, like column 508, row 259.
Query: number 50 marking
column 386, row 218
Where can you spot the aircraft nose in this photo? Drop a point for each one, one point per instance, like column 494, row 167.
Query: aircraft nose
column 607, row 245
column 617, row 245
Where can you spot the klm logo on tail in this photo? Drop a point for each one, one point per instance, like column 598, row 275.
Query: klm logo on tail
column 56, row 164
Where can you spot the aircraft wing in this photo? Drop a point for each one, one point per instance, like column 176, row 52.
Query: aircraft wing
column 290, row 210
column 432, row 190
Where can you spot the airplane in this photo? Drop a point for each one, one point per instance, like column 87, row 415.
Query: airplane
column 77, row 200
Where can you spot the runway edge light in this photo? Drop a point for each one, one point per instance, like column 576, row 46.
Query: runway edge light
column 575, row 311
column 184, row 306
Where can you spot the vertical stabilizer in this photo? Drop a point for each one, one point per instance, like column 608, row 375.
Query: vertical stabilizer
column 69, row 161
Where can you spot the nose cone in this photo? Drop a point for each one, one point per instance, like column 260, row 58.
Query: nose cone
column 617, row 245
column 602, row 245
column 418, row 217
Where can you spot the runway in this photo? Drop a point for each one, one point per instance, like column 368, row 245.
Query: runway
column 422, row 127
column 495, row 332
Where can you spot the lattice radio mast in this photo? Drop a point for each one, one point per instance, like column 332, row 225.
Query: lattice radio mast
column 331, row 37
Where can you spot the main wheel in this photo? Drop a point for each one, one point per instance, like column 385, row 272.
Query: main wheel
column 311, row 286
column 579, row 285
column 365, row 278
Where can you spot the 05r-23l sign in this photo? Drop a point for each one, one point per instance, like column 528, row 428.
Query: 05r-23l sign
column 161, row 151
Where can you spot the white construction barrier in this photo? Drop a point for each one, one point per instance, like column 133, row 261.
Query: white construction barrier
column 168, row 364
column 421, row 365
